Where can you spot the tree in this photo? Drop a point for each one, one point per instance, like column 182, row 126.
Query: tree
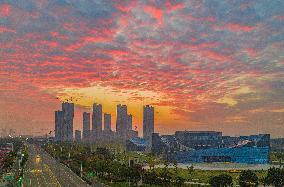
column 100, row 167
column 166, row 174
column 9, row 160
column 275, row 177
column 176, row 167
column 104, row 153
column 279, row 157
column 151, row 177
column 135, row 172
column 123, row 172
column 222, row 180
column 114, row 171
column 248, row 179
column 179, row 181
column 151, row 163
column 190, row 170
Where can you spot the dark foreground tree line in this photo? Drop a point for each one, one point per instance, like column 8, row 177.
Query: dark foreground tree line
column 247, row 178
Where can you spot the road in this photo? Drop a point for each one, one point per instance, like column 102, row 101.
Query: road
column 44, row 171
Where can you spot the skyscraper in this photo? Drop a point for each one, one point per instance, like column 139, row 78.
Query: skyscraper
column 86, row 126
column 97, row 120
column 68, row 113
column 64, row 122
column 121, row 120
column 58, row 125
column 107, row 122
column 130, row 132
column 129, row 122
column 148, row 123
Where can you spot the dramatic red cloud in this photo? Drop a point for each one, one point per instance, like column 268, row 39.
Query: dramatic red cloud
column 216, row 56
column 95, row 39
column 4, row 29
column 234, row 27
column 173, row 7
column 210, row 19
column 124, row 6
column 123, row 21
column 251, row 52
column 5, row 10
column 279, row 17
column 176, row 54
column 156, row 13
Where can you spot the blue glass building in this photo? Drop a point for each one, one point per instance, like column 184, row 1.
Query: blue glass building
column 210, row 146
column 249, row 155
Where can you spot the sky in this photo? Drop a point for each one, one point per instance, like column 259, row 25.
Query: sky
column 203, row 64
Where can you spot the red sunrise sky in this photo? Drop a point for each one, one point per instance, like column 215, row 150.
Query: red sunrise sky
column 203, row 65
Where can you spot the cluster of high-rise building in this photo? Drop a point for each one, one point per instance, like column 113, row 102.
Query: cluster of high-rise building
column 97, row 125
column 183, row 146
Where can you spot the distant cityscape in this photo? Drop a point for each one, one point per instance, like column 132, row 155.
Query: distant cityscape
column 183, row 146
column 105, row 145
column 97, row 126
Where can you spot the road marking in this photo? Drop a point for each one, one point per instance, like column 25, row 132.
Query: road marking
column 52, row 171
column 51, row 174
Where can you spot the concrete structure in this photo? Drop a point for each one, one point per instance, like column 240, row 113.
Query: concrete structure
column 59, row 121
column 107, row 122
column 205, row 146
column 121, row 121
column 131, row 134
column 199, row 139
column 68, row 116
column 148, row 123
column 136, row 144
column 86, row 126
column 78, row 136
column 158, row 144
column 260, row 140
column 97, row 120
column 248, row 155
column 129, row 122
column 64, row 122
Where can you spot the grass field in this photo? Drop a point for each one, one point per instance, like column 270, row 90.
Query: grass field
column 196, row 176
column 203, row 176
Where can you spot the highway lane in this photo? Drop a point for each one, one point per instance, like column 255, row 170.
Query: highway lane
column 43, row 170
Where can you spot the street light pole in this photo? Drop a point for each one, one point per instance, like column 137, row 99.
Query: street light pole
column 81, row 170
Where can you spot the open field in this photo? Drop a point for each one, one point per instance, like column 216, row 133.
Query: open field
column 203, row 176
